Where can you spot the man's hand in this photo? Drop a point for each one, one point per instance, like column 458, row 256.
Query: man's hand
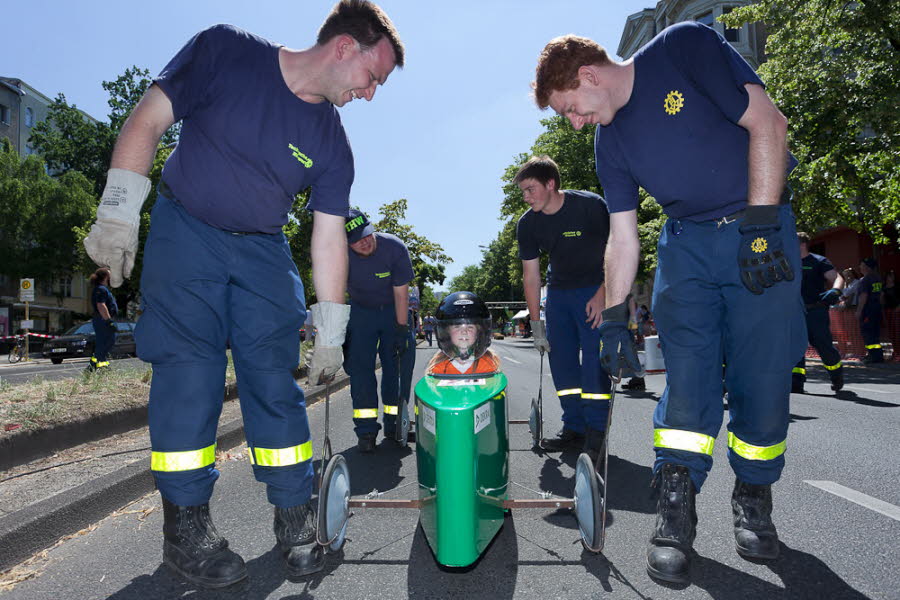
column 761, row 258
column 831, row 297
column 330, row 319
column 401, row 340
column 112, row 241
column 539, row 334
column 617, row 349
column 594, row 309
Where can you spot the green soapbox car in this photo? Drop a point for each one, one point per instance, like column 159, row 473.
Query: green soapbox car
column 462, row 456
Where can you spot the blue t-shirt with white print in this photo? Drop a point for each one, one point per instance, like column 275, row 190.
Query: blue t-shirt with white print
column 677, row 136
column 248, row 145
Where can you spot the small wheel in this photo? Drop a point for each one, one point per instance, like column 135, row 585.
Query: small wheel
column 334, row 507
column 589, row 504
column 402, row 431
column 535, row 422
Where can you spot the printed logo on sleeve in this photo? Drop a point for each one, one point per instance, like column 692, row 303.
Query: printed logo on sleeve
column 302, row 158
column 674, row 102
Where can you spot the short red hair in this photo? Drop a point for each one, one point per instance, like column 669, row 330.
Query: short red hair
column 558, row 65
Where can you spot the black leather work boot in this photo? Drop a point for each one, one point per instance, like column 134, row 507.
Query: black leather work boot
column 566, row 439
column 593, row 445
column 754, row 533
column 797, row 381
column 837, row 378
column 671, row 546
column 635, row 384
column 366, row 442
column 295, row 530
column 195, row 550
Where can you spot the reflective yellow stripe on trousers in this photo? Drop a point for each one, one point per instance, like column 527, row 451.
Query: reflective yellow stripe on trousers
column 751, row 452
column 569, row 391
column 280, row 457
column 365, row 413
column 873, row 346
column 837, row 365
column 183, row 461
column 390, row 410
column 799, row 370
column 596, row 396
column 678, row 439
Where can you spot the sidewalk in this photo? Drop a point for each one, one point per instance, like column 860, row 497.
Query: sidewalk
column 93, row 475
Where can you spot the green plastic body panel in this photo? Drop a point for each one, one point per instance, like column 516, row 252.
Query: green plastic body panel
column 462, row 454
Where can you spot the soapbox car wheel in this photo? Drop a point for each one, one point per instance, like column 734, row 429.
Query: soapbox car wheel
column 589, row 504
column 402, row 433
column 535, row 422
column 334, row 509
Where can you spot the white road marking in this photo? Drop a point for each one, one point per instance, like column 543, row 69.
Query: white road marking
column 879, row 506
column 512, row 360
column 853, row 387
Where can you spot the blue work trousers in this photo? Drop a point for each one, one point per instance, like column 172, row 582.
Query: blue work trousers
column 870, row 326
column 581, row 383
column 818, row 329
column 370, row 333
column 205, row 289
column 705, row 316
column 104, row 340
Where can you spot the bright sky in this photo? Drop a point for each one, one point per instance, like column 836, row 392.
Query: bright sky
column 441, row 131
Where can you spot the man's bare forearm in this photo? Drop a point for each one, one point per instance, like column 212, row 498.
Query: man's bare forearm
column 531, row 282
column 137, row 143
column 329, row 257
column 401, row 303
column 622, row 253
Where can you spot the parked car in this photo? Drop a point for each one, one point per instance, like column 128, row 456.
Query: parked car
column 79, row 342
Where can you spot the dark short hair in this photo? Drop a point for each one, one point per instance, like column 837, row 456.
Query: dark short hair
column 803, row 237
column 541, row 168
column 100, row 275
column 558, row 64
column 365, row 22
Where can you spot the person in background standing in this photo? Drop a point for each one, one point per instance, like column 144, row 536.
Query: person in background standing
column 105, row 308
column 868, row 310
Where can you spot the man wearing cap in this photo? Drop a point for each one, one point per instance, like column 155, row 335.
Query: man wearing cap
column 868, row 310
column 378, row 283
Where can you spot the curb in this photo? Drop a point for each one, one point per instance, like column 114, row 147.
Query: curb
column 42, row 524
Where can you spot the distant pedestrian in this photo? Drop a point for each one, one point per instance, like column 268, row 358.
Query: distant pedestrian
column 868, row 310
column 105, row 308
column 428, row 324
column 851, row 284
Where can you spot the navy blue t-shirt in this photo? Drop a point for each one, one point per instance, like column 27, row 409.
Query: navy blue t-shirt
column 814, row 269
column 372, row 278
column 574, row 237
column 871, row 285
column 248, row 145
column 101, row 294
column 678, row 137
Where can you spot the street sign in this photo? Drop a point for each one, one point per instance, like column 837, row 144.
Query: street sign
column 26, row 290
column 27, row 324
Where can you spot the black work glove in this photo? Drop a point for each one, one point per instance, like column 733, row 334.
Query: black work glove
column 617, row 349
column 401, row 340
column 110, row 324
column 831, row 297
column 761, row 258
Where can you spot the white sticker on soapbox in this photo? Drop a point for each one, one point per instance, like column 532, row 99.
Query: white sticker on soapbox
column 428, row 418
column 482, row 417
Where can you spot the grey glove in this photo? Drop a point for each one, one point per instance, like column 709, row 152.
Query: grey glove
column 327, row 357
column 539, row 333
column 113, row 239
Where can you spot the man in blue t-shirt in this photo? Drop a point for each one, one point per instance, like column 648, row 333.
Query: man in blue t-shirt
column 259, row 125
column 571, row 226
column 378, row 283
column 687, row 119
column 868, row 310
column 818, row 273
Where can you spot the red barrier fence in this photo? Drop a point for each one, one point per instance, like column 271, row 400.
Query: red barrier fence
column 848, row 339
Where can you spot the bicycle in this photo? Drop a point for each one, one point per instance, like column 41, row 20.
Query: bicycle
column 17, row 352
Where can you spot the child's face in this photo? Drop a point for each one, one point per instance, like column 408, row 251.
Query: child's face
column 463, row 335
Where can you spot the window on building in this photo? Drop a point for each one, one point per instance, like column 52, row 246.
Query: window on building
column 4, row 114
column 65, row 286
column 28, row 150
column 29, row 117
column 705, row 19
column 731, row 35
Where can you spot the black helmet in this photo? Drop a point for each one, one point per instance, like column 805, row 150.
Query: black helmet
column 463, row 308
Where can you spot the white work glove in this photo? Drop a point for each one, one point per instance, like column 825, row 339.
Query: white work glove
column 330, row 319
column 112, row 241
column 539, row 333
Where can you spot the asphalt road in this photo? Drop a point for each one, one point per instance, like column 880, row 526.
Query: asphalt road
column 833, row 547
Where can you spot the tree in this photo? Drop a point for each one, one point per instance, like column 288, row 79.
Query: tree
column 467, row 280
column 428, row 258
column 36, row 216
column 832, row 69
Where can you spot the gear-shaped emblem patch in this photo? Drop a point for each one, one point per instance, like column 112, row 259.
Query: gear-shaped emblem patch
column 759, row 245
column 674, row 102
